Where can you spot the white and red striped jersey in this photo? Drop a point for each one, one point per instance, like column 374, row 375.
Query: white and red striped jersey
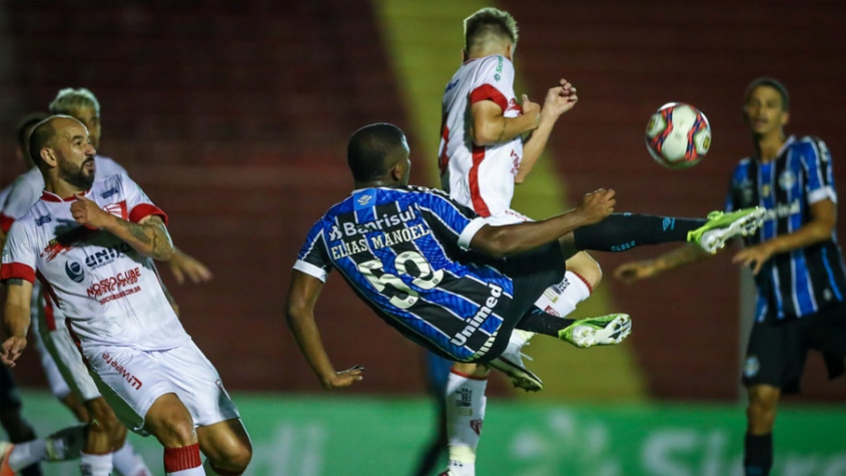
column 109, row 292
column 479, row 177
column 27, row 188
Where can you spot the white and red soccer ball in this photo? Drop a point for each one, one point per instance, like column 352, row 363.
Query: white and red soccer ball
column 678, row 135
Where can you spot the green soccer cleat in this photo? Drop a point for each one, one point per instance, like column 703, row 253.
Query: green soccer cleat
column 604, row 330
column 720, row 227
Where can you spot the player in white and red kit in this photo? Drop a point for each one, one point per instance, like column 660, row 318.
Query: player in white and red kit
column 482, row 156
column 148, row 368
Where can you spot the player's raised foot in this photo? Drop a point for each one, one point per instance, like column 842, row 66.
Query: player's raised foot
column 604, row 330
column 6, row 450
column 511, row 363
column 67, row 443
column 720, row 227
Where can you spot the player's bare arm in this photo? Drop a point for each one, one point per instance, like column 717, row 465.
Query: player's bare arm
column 819, row 228
column 149, row 236
column 302, row 297
column 636, row 270
column 490, row 127
column 559, row 100
column 15, row 320
column 499, row 241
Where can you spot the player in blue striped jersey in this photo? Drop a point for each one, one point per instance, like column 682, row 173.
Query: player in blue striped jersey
column 435, row 271
column 797, row 263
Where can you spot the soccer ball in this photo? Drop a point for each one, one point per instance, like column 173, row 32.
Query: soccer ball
column 678, row 135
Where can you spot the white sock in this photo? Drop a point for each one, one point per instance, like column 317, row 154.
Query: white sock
column 95, row 465
column 562, row 298
column 27, row 453
column 198, row 471
column 465, row 403
column 129, row 463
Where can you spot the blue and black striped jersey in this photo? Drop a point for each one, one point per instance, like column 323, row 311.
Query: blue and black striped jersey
column 404, row 251
column 803, row 281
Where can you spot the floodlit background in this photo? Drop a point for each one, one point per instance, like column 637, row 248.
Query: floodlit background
column 234, row 117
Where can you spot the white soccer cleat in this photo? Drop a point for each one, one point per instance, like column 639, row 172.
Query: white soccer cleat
column 511, row 363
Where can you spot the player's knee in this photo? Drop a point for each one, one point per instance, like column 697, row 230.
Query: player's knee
column 235, row 457
column 587, row 268
column 762, row 406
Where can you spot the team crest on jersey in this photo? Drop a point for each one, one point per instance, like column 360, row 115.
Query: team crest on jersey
column 74, row 271
column 751, row 367
column 787, row 180
column 117, row 209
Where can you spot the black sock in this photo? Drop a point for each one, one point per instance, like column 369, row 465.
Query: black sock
column 758, row 458
column 542, row 323
column 622, row 231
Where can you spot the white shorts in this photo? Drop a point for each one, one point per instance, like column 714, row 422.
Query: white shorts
column 131, row 380
column 64, row 352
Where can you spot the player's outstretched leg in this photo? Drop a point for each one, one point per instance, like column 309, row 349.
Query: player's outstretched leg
column 624, row 231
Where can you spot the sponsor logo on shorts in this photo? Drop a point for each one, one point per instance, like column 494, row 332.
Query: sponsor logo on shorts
column 74, row 271
column 481, row 315
column 115, row 287
column 132, row 380
column 751, row 367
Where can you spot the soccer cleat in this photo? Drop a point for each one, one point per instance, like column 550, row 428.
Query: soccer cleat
column 67, row 443
column 511, row 363
column 603, row 330
column 720, row 227
column 6, row 450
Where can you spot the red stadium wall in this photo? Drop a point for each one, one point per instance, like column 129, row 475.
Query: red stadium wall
column 234, row 118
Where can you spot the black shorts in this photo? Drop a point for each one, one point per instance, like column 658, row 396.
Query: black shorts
column 9, row 397
column 531, row 272
column 777, row 350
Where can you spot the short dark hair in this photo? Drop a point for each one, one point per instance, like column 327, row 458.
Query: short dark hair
column 41, row 136
column 489, row 21
column 369, row 148
column 25, row 123
column 773, row 83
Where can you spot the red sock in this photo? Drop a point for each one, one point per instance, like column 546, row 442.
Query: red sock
column 180, row 459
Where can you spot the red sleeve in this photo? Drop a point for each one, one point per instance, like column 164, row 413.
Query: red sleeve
column 486, row 92
column 143, row 210
column 17, row 271
column 6, row 222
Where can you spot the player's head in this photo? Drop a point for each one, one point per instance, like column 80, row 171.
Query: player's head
column 61, row 145
column 766, row 106
column 25, row 126
column 378, row 154
column 83, row 105
column 490, row 31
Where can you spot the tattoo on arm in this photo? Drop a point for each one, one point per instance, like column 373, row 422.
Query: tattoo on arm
column 14, row 282
column 152, row 234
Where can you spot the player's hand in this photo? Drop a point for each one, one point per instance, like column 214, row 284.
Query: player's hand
column 11, row 350
column 754, row 256
column 597, row 205
column 88, row 213
column 559, row 99
column 531, row 109
column 635, row 270
column 183, row 265
column 344, row 378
